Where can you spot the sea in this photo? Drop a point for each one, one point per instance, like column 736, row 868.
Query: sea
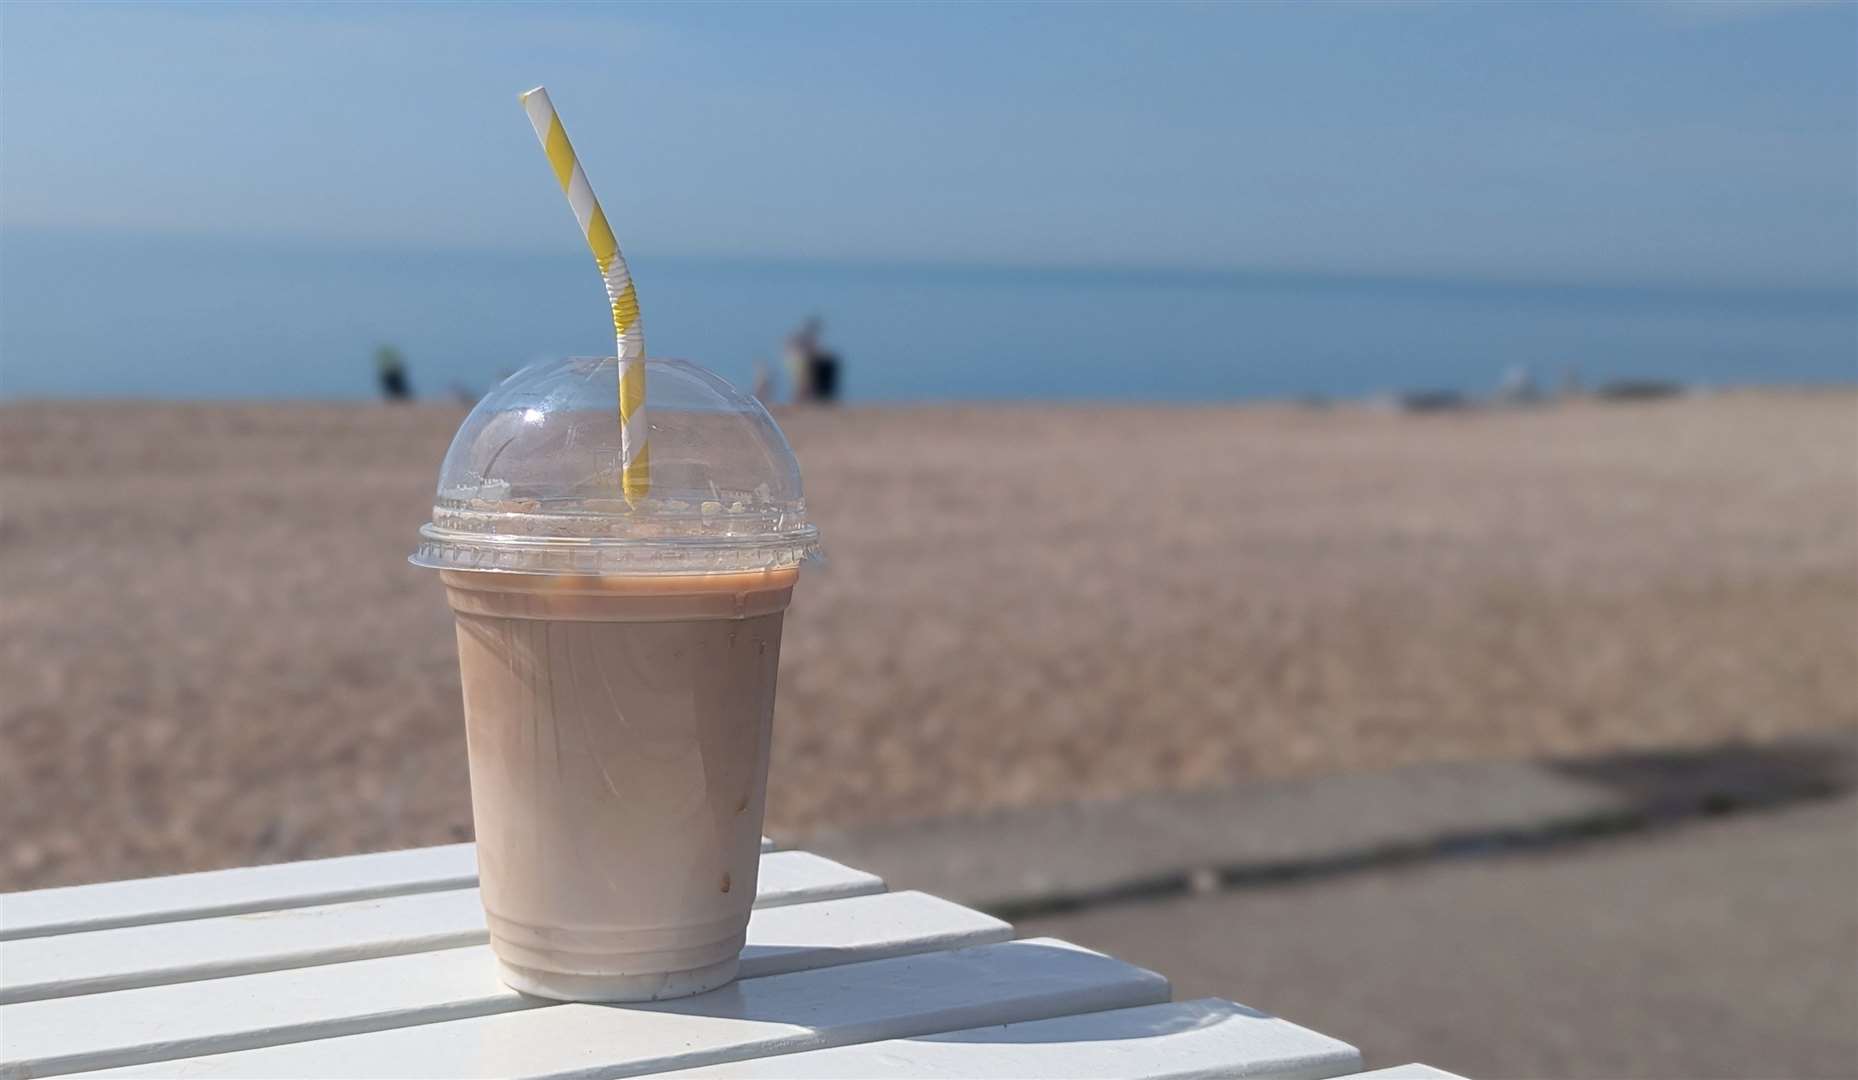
column 92, row 314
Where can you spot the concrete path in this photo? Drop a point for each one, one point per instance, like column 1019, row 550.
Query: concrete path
column 1048, row 858
column 1686, row 913
column 1724, row 948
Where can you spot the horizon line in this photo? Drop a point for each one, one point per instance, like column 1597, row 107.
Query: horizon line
column 1155, row 271
column 1373, row 399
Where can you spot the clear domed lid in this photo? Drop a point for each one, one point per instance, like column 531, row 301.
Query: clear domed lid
column 531, row 483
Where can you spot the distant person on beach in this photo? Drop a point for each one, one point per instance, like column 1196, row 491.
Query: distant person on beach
column 812, row 371
column 391, row 366
column 801, row 345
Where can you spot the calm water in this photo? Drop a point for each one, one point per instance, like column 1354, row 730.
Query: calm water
column 101, row 315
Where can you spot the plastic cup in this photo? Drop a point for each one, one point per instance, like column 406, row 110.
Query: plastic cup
column 618, row 662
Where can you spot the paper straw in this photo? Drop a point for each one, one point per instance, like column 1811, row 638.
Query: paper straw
column 635, row 456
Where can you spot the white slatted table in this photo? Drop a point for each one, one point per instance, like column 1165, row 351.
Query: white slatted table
column 375, row 966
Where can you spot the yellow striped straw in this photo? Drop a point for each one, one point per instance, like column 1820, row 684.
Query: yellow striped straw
column 635, row 454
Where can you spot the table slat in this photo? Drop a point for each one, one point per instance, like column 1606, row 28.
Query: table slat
column 75, row 908
column 1188, row 1040
column 881, row 999
column 118, row 959
column 96, row 1031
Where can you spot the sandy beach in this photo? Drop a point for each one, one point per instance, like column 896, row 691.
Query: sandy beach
column 213, row 651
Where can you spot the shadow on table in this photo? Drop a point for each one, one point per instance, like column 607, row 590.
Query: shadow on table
column 936, row 991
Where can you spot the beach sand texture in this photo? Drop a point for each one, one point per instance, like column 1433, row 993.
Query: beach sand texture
column 213, row 651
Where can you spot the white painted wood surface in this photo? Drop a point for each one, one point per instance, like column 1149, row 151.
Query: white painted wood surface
column 231, row 892
column 374, row 965
column 101, row 960
column 1190, row 1040
column 94, row 1031
column 881, row 999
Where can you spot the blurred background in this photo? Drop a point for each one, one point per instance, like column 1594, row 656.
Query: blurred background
column 1439, row 417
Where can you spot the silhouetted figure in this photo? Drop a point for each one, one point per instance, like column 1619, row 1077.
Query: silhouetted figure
column 813, row 372
column 395, row 386
column 825, row 378
column 1637, row 390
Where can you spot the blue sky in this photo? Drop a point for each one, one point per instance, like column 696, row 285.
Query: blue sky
column 1698, row 142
